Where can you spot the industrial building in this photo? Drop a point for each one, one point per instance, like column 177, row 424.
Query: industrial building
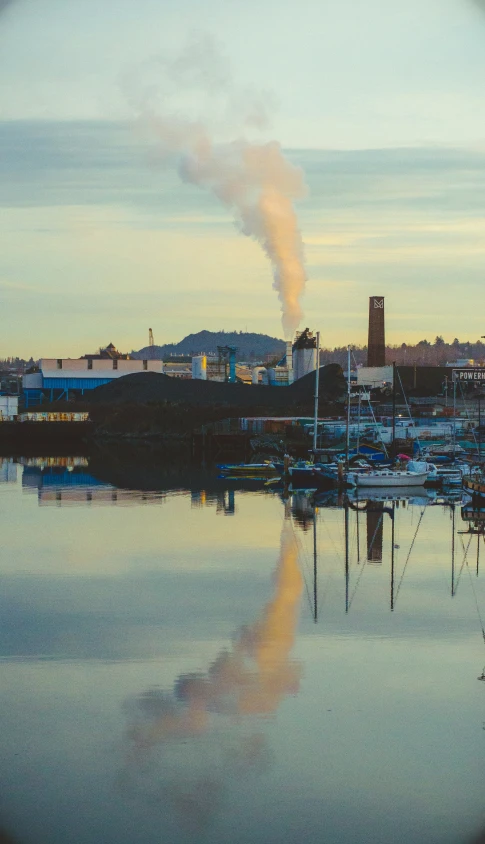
column 9, row 408
column 56, row 377
column 375, row 377
column 300, row 359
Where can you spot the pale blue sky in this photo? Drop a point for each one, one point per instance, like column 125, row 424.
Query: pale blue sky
column 97, row 243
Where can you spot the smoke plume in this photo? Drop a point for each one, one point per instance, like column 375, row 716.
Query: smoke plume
column 189, row 103
column 251, row 678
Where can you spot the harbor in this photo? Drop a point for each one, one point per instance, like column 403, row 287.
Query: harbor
column 242, row 433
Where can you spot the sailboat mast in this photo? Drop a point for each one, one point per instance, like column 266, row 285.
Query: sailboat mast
column 317, row 384
column 358, row 423
column 453, row 550
column 454, row 417
column 392, row 554
column 347, row 572
column 394, row 409
column 347, row 443
column 315, row 595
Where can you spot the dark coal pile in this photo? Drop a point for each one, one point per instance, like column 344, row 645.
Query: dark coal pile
column 150, row 387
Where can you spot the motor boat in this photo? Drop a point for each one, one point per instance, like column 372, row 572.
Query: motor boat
column 251, row 470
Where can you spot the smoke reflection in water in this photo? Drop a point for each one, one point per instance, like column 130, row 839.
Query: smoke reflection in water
column 218, row 710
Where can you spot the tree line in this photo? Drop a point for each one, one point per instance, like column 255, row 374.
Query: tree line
column 423, row 353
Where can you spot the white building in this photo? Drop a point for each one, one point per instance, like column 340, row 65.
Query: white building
column 59, row 375
column 374, row 377
column 9, row 408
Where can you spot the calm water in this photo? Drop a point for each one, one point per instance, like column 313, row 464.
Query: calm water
column 186, row 660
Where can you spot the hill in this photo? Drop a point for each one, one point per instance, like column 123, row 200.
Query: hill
column 250, row 346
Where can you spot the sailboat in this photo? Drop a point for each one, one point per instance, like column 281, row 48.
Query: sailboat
column 314, row 475
column 389, row 478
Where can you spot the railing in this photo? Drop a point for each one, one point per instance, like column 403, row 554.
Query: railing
column 44, row 416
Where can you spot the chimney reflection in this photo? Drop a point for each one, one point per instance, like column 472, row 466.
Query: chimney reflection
column 374, row 518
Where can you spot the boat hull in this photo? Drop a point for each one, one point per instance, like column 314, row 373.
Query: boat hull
column 390, row 479
column 250, row 470
column 474, row 487
column 309, row 477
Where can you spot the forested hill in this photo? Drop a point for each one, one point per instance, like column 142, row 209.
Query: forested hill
column 250, row 346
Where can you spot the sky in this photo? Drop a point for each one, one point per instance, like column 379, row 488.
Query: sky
column 380, row 104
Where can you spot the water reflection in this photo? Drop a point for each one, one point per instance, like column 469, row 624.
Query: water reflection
column 68, row 481
column 245, row 683
column 8, row 470
column 118, row 678
column 375, row 528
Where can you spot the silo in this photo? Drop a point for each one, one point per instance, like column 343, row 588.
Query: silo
column 304, row 354
column 199, row 367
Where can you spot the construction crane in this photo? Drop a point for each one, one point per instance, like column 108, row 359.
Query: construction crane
column 151, row 341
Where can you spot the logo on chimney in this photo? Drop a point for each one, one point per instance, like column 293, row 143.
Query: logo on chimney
column 378, row 303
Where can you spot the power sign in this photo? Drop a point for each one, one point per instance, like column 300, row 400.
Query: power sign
column 470, row 375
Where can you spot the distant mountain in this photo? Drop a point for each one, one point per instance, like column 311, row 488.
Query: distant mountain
column 250, row 346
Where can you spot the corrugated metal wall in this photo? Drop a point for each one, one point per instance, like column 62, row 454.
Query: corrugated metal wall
column 75, row 383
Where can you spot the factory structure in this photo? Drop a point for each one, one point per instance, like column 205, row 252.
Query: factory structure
column 300, row 358
column 53, row 379
column 57, row 378
column 376, row 373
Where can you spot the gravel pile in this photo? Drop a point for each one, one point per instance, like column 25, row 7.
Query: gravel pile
column 144, row 388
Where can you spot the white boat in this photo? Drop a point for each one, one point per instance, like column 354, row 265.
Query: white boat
column 388, row 478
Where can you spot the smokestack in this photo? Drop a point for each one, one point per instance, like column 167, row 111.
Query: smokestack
column 376, row 345
column 289, row 355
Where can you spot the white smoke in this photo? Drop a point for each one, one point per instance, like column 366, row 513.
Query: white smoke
column 191, row 101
